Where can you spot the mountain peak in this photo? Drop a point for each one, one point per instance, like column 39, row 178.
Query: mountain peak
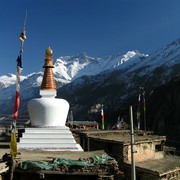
column 82, row 55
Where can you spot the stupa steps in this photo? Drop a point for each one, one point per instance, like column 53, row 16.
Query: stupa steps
column 47, row 130
column 51, row 146
column 47, row 140
column 47, row 135
column 51, row 139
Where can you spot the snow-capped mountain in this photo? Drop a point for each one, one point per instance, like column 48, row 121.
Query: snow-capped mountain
column 71, row 68
column 67, row 69
column 116, row 86
column 8, row 80
column 129, row 70
column 167, row 56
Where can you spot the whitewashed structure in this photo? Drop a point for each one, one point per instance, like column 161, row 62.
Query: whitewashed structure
column 48, row 116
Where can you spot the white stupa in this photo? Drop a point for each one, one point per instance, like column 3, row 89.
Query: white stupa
column 48, row 116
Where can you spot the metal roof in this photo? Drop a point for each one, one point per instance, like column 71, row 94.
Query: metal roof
column 83, row 122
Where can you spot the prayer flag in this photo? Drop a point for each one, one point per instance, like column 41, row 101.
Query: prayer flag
column 17, row 96
column 138, row 111
column 102, row 117
column 13, row 143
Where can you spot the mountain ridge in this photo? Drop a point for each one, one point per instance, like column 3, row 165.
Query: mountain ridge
column 127, row 71
column 69, row 68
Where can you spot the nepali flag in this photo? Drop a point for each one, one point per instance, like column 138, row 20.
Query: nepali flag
column 102, row 117
column 17, row 97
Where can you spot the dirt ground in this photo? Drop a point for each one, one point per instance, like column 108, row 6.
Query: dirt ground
column 47, row 155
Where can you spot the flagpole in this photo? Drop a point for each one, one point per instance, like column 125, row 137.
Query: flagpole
column 133, row 170
column 138, row 112
column 13, row 143
column 144, row 105
column 22, row 38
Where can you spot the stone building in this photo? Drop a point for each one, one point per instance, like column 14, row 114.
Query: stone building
column 151, row 160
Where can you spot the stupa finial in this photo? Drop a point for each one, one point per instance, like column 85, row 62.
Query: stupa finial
column 48, row 53
column 48, row 82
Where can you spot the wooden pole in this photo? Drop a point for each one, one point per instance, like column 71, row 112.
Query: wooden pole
column 133, row 170
column 144, row 102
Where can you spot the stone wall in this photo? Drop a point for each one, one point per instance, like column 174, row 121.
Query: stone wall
column 145, row 151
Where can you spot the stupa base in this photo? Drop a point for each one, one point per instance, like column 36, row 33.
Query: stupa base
column 49, row 139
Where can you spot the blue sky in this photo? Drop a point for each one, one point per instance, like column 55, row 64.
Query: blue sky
column 97, row 27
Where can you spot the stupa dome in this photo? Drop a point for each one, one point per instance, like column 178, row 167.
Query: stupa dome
column 48, row 111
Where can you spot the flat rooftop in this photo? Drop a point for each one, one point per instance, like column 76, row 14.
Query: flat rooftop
column 123, row 136
column 162, row 166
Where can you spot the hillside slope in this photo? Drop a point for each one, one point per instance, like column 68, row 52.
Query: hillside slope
column 163, row 111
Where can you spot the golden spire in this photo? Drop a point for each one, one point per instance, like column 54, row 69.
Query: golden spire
column 48, row 82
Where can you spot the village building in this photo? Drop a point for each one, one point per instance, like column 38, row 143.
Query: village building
column 152, row 162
